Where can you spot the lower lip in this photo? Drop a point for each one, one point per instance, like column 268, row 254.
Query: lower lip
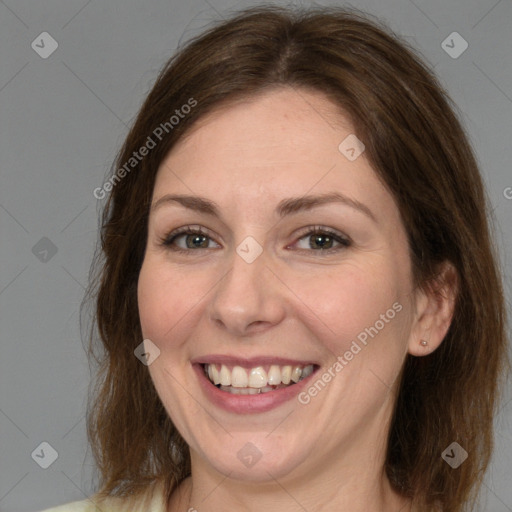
column 246, row 404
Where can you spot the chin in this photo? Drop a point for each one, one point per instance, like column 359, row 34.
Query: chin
column 255, row 457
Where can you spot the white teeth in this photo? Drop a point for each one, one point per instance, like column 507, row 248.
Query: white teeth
column 239, row 378
column 225, row 376
column 215, row 376
column 258, row 378
column 274, row 375
column 286, row 374
column 296, row 373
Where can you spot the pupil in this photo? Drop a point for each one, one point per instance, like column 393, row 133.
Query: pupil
column 195, row 239
column 319, row 237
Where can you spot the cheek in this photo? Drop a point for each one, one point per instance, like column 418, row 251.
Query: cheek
column 164, row 297
column 170, row 298
column 346, row 302
column 367, row 316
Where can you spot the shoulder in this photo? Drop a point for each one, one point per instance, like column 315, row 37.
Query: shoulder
column 152, row 501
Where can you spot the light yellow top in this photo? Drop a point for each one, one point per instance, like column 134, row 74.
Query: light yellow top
column 152, row 501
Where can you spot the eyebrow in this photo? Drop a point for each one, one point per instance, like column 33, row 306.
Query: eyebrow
column 285, row 207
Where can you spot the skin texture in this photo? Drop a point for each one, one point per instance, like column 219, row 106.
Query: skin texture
column 291, row 302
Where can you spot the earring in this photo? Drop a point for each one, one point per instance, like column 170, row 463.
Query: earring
column 424, row 342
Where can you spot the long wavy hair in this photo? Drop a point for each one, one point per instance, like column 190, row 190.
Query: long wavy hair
column 416, row 144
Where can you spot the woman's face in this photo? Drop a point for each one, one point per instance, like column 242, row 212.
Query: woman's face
column 259, row 299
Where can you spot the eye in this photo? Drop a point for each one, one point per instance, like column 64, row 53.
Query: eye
column 321, row 239
column 194, row 238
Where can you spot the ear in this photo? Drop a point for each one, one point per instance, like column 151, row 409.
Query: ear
column 434, row 311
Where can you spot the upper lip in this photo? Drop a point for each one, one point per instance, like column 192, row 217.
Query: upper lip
column 250, row 362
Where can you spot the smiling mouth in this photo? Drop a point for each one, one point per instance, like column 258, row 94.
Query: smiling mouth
column 259, row 379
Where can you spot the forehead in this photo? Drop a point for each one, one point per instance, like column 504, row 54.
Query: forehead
column 285, row 120
column 282, row 143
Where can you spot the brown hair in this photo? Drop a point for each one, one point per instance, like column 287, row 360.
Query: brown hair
column 418, row 148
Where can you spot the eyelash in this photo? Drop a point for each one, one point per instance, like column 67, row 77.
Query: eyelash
column 344, row 242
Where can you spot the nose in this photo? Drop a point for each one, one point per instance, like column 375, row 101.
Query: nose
column 249, row 298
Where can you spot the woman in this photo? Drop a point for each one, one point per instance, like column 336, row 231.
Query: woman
column 300, row 307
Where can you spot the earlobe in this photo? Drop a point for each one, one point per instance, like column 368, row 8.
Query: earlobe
column 435, row 315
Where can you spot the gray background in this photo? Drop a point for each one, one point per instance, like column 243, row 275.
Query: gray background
column 62, row 120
